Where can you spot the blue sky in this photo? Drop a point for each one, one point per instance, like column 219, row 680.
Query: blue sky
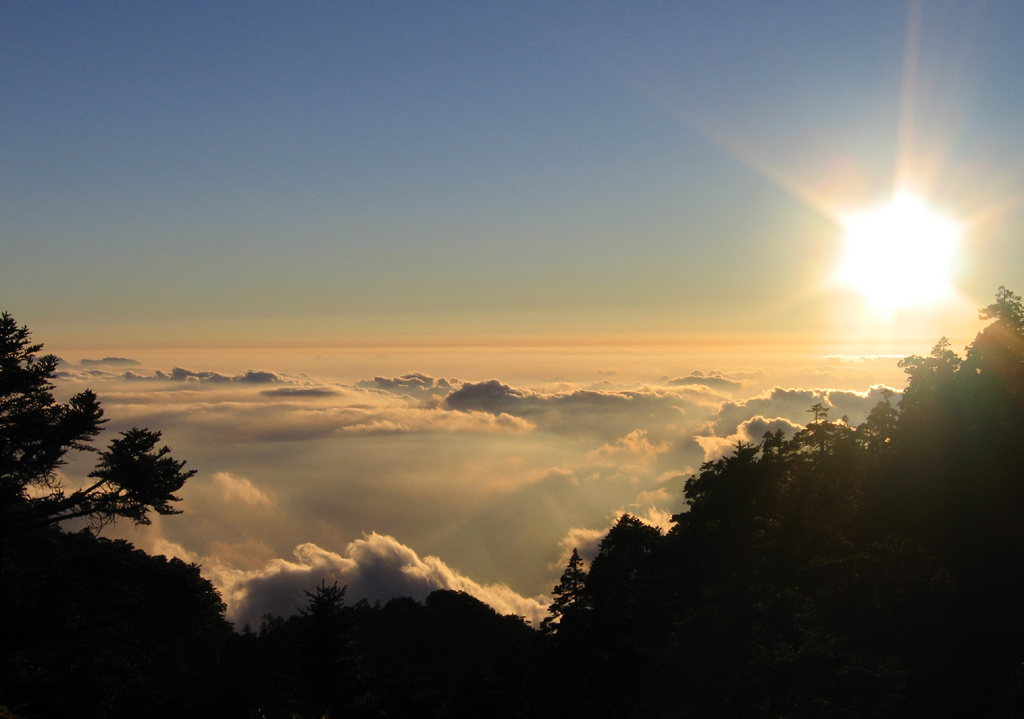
column 174, row 172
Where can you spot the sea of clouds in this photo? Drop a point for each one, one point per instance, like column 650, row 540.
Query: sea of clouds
column 399, row 485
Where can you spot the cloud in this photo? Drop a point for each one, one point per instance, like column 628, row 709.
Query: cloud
column 300, row 392
column 490, row 475
column 258, row 377
column 585, row 541
column 750, row 431
column 181, row 374
column 655, row 517
column 225, row 515
column 415, row 384
column 632, row 453
column 490, row 396
column 858, row 405
column 305, row 414
column 376, row 567
column 89, row 371
column 606, row 413
column 714, row 379
column 110, row 362
column 791, row 404
column 240, row 490
column 659, row 495
column 855, row 371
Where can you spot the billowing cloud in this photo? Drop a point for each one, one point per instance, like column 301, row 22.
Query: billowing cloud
column 791, row 404
column 490, row 396
column 375, row 567
column 858, row 405
column 750, row 431
column 606, row 413
column 794, row 405
column 415, row 384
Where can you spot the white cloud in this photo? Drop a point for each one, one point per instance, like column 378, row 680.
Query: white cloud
column 375, row 567
column 750, row 431
column 239, row 489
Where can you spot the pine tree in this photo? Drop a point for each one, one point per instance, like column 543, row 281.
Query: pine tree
column 569, row 605
column 37, row 433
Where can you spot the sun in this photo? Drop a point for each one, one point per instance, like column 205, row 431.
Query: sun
column 900, row 255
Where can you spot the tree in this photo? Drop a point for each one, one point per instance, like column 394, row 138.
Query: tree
column 37, row 433
column 100, row 630
column 879, row 429
column 569, row 603
column 326, row 680
column 621, row 572
column 116, row 601
column 820, row 411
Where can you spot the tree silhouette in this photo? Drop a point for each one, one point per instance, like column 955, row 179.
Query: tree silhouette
column 569, row 604
column 37, row 433
column 98, row 629
column 83, row 619
column 326, row 653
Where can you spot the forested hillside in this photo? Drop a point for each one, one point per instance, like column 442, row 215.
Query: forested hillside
column 846, row 571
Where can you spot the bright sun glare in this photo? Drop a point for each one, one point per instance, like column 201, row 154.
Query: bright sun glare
column 900, row 255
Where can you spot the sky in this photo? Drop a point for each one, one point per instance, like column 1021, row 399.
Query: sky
column 428, row 293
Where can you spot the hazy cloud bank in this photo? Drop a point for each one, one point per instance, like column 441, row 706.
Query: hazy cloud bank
column 607, row 414
column 110, row 362
column 180, row 374
column 714, row 380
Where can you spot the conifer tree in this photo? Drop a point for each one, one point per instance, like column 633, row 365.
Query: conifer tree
column 570, row 596
column 37, row 434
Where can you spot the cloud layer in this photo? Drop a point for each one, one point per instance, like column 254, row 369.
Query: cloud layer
column 489, row 483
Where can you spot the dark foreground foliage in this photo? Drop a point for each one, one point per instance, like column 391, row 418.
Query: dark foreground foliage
column 96, row 628
column 869, row 571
